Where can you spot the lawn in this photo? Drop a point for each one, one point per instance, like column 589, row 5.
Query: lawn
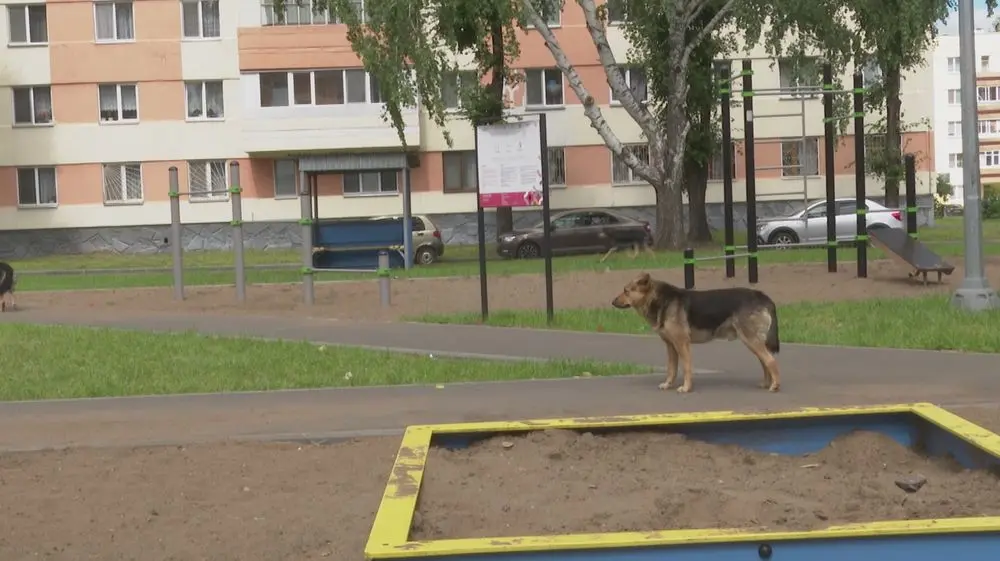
column 107, row 270
column 905, row 323
column 49, row 362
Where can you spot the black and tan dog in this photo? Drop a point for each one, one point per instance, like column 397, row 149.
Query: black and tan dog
column 7, row 283
column 685, row 317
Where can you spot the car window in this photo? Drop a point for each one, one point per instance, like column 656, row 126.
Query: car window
column 418, row 224
column 570, row 221
column 845, row 208
column 818, row 211
column 602, row 219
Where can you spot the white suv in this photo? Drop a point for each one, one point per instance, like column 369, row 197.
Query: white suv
column 809, row 226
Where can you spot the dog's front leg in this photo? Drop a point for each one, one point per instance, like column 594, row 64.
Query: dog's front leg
column 671, row 366
column 684, row 352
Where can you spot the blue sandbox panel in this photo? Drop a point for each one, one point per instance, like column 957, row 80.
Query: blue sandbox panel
column 355, row 244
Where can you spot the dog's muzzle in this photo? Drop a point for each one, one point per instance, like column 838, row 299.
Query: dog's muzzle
column 618, row 304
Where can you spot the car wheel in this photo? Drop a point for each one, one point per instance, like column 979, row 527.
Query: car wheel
column 783, row 238
column 528, row 250
column 425, row 256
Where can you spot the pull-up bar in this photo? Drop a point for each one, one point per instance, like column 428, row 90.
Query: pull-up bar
column 176, row 242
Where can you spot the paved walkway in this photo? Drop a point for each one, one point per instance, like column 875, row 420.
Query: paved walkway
column 812, row 375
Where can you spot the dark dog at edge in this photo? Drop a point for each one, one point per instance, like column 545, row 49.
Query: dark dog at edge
column 685, row 317
column 7, row 283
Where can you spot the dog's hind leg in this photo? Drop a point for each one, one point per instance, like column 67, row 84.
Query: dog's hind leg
column 772, row 380
column 671, row 366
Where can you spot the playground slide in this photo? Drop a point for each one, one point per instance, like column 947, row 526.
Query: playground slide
column 909, row 252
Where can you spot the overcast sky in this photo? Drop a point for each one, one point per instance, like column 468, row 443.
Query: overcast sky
column 982, row 20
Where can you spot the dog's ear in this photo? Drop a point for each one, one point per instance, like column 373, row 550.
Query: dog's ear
column 643, row 279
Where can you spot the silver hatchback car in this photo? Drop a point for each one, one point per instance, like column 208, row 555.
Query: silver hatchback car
column 809, row 224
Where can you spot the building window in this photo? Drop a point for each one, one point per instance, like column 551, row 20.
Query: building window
column 459, row 171
column 798, row 78
column 550, row 10
column 122, row 183
column 201, row 19
column 318, row 87
column 871, row 74
column 119, row 102
column 954, row 63
column 989, row 127
column 989, row 159
column 452, row 85
column 988, row 93
column 635, row 79
column 799, row 158
column 36, row 187
column 715, row 166
column 617, row 11
column 304, row 13
column 205, row 100
column 954, row 128
column 954, row 97
column 113, row 21
column 984, row 63
column 27, row 25
column 207, row 180
column 557, row 166
column 955, row 161
column 285, row 175
column 545, row 87
column 32, row 105
column 371, row 182
column 621, row 174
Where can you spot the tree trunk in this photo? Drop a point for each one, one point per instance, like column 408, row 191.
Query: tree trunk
column 893, row 137
column 696, row 183
column 504, row 214
column 669, row 216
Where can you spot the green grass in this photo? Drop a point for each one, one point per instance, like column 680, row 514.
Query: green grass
column 904, row 323
column 458, row 261
column 48, row 362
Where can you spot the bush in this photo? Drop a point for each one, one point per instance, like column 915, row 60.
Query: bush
column 991, row 190
column 991, row 206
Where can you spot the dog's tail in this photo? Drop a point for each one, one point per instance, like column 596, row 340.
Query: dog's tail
column 772, row 343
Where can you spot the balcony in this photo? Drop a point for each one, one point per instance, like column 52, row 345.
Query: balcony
column 318, row 111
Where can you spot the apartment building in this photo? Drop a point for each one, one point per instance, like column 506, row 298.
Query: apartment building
column 101, row 98
column 948, row 107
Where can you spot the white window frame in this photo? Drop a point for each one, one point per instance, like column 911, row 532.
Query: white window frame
column 122, row 171
column 641, row 151
column 545, row 101
column 715, row 169
column 34, row 123
column 627, row 75
column 988, row 94
column 118, row 93
column 955, row 160
column 204, row 100
column 557, row 167
column 203, row 196
column 811, row 144
column 457, row 78
column 984, row 63
column 371, row 89
column 462, row 156
column 117, row 38
column 989, row 159
column 954, row 128
column 794, row 89
column 35, row 172
column 295, row 179
column 989, row 127
column 954, row 97
column 28, row 42
column 268, row 16
column 552, row 22
column 200, row 6
column 379, row 193
column 954, row 64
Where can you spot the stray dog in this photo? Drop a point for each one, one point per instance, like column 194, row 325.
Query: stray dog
column 7, row 283
column 682, row 317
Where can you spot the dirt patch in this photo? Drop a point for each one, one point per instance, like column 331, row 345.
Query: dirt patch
column 559, row 482
column 581, row 289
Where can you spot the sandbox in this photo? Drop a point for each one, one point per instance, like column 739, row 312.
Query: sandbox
column 900, row 481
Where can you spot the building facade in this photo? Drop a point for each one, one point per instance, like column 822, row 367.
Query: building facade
column 948, row 108
column 101, row 98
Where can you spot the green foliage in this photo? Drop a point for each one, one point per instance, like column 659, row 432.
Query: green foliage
column 943, row 185
column 991, row 207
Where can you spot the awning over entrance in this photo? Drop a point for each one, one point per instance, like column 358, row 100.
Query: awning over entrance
column 335, row 163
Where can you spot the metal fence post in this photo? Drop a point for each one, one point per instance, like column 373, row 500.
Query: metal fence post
column 724, row 70
column 911, row 195
column 751, row 173
column 689, row 268
column 860, row 179
column 176, row 249
column 830, row 171
column 235, row 195
column 306, row 222
column 384, row 290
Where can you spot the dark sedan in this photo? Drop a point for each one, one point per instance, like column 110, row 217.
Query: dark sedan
column 577, row 231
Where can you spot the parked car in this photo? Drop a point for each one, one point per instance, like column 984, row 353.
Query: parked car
column 428, row 246
column 809, row 224
column 575, row 231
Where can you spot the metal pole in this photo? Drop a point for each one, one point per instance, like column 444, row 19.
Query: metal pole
column 235, row 195
column 724, row 70
column 861, row 236
column 484, row 295
column 176, row 247
column 407, row 219
column 689, row 268
column 974, row 294
column 384, row 290
column 751, row 180
column 829, row 169
column 910, row 164
column 802, row 154
column 546, row 219
column 306, row 221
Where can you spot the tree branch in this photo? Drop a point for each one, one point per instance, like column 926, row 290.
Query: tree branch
column 598, row 33
column 590, row 108
column 705, row 31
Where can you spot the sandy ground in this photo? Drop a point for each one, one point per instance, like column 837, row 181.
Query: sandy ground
column 360, row 300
